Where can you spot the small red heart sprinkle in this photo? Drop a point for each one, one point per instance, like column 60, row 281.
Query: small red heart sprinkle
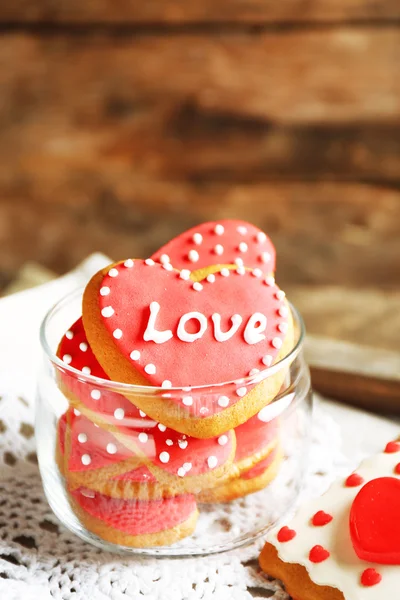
column 285, row 534
column 321, row 518
column 318, row 554
column 354, row 480
column 397, row 469
column 392, row 447
column 370, row 577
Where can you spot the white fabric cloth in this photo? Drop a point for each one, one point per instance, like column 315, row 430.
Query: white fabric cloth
column 41, row 560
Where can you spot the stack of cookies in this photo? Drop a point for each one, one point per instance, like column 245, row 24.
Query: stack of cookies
column 169, row 379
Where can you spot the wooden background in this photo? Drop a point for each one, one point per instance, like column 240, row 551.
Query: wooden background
column 123, row 122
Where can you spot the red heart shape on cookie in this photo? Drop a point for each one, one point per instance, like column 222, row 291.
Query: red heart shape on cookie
column 219, row 242
column 374, row 522
column 142, row 317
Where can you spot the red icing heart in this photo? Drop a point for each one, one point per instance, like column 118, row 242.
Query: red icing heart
column 125, row 314
column 375, row 523
column 392, row 447
column 285, row 534
column 220, row 242
column 397, row 469
column 354, row 480
column 318, row 554
column 321, row 518
column 370, row 577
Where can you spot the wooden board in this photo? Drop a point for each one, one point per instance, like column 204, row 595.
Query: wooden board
column 187, row 11
column 324, row 233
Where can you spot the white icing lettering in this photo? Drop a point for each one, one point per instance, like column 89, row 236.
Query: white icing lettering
column 151, row 333
column 184, row 335
column 222, row 336
column 254, row 328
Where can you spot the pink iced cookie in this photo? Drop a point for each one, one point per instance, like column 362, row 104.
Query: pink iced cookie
column 219, row 242
column 148, row 324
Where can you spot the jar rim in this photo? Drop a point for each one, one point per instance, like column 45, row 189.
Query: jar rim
column 122, row 387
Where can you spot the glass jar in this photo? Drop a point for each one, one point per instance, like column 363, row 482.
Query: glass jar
column 124, row 482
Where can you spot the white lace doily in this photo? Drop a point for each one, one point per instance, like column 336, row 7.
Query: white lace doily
column 39, row 558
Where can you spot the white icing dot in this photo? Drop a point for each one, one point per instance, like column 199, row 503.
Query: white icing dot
column 166, row 384
column 95, row 394
column 222, row 440
column 270, row 280
column 242, row 230
column 119, row 414
column 187, row 400
column 86, row 370
column 150, row 262
column 129, row 263
column 162, row 427
column 277, row 343
column 135, row 355
column 164, row 457
column 150, row 369
column 187, row 466
column 181, row 472
column 143, row 437
column 261, row 237
column 164, row 258
column 219, row 249
column 239, row 262
column 182, row 444
column 82, row 438
column 283, row 311
column 212, row 462
column 169, row 442
column 283, row 327
column 86, row 460
column 280, row 294
column 240, row 270
column 265, row 257
column 185, row 274
column 243, row 247
column 254, row 372
column 113, row 272
column 241, row 392
column 257, row 272
column 69, row 335
column 219, row 229
column 225, row 272
column 107, row 311
column 83, row 346
column 117, row 333
column 267, row 360
column 142, row 414
column 104, row 291
column 168, row 267
column 211, row 278
column 223, row 401
column 77, row 413
column 197, row 286
column 197, row 238
column 67, row 358
column 111, row 448
column 193, row 256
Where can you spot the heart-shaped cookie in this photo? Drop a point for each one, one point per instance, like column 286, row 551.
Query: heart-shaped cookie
column 374, row 521
column 148, row 324
column 226, row 242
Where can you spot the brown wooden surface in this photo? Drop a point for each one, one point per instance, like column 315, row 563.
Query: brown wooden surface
column 116, row 139
column 184, row 11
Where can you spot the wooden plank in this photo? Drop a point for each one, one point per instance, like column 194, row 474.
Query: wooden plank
column 328, row 233
column 206, row 11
